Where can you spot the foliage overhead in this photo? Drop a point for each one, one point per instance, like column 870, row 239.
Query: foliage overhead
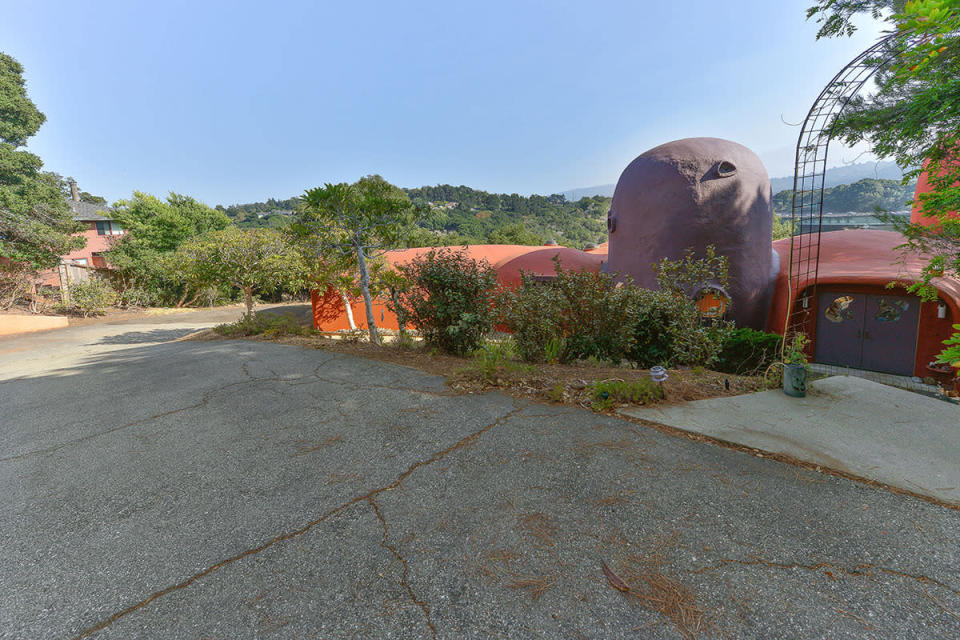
column 914, row 116
column 36, row 224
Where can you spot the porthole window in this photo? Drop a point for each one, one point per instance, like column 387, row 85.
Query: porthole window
column 839, row 310
column 611, row 223
column 726, row 169
column 712, row 303
column 890, row 310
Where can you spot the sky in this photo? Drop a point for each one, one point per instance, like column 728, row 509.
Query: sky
column 241, row 101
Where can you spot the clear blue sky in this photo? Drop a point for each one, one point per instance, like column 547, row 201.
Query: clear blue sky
column 240, row 101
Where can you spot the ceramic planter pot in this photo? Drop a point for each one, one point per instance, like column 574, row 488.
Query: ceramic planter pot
column 795, row 380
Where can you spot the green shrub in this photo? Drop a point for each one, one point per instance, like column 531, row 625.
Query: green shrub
column 266, row 324
column 951, row 354
column 660, row 321
column 494, row 360
column 748, row 351
column 607, row 393
column 91, row 297
column 574, row 316
column 449, row 299
column 532, row 312
column 137, row 297
column 583, row 316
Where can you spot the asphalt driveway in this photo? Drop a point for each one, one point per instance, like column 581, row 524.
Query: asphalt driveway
column 172, row 489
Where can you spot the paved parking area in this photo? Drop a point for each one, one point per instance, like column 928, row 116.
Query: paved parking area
column 235, row 489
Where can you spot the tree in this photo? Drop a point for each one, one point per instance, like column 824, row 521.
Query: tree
column 155, row 229
column 36, row 225
column 514, row 234
column 914, row 116
column 251, row 260
column 364, row 219
column 327, row 268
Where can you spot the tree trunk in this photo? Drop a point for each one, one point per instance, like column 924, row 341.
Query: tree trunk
column 365, row 288
column 349, row 308
column 401, row 317
column 248, row 298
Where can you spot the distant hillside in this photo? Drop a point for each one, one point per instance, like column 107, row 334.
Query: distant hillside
column 863, row 196
column 272, row 213
column 846, row 174
column 605, row 190
column 461, row 215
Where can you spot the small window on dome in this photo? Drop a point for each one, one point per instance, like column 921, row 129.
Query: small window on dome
column 726, row 169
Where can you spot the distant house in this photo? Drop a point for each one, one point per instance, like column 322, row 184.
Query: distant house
column 100, row 230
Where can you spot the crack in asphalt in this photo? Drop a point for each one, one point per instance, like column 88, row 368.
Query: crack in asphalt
column 406, row 568
column 463, row 442
column 859, row 571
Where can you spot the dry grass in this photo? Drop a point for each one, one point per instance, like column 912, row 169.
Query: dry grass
column 535, row 585
column 538, row 526
column 329, row 442
column 656, row 592
column 497, row 562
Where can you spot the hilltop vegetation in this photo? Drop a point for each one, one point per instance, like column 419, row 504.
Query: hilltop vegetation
column 863, row 196
column 461, row 215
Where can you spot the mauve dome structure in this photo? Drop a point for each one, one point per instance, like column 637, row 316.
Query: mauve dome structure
column 693, row 193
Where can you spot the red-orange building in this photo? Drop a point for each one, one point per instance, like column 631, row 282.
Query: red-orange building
column 100, row 231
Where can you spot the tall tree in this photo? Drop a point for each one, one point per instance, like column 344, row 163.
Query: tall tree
column 156, row 228
column 364, row 219
column 36, row 225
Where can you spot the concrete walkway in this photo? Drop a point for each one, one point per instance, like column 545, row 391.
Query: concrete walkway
column 870, row 430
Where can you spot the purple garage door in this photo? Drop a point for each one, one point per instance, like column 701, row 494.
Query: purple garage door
column 874, row 332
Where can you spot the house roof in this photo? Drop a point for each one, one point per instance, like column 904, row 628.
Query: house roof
column 88, row 212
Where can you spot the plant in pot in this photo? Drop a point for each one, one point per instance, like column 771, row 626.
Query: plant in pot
column 795, row 365
column 951, row 356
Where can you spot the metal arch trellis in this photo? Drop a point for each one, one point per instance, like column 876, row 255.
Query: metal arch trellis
column 810, row 170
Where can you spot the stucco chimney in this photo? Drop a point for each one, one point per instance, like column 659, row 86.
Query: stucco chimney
column 74, row 194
